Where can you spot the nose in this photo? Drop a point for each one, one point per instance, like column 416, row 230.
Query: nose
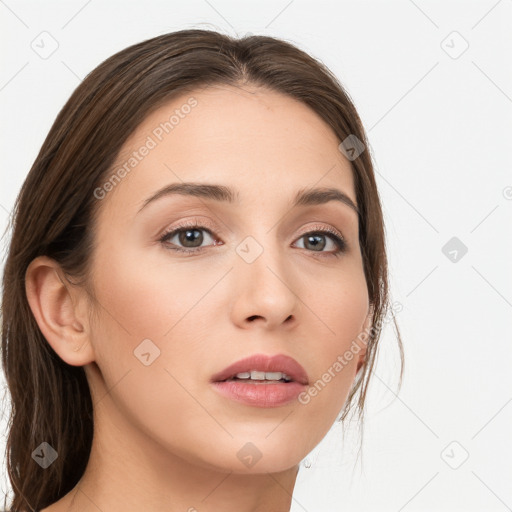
column 265, row 289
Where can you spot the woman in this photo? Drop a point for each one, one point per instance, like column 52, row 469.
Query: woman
column 196, row 281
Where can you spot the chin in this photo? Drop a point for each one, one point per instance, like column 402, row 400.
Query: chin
column 259, row 455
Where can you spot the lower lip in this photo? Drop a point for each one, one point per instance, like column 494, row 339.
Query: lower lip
column 260, row 394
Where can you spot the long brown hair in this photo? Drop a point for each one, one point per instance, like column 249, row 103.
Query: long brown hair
column 55, row 212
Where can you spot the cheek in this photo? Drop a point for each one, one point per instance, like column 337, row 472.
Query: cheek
column 341, row 308
column 152, row 326
column 342, row 312
column 145, row 299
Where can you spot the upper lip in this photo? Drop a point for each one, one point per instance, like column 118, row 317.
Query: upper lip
column 264, row 363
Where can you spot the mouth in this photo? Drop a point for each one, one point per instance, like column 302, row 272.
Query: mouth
column 260, row 377
column 263, row 369
column 262, row 381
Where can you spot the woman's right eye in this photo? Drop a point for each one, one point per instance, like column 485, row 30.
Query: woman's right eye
column 190, row 234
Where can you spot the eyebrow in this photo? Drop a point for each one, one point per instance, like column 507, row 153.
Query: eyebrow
column 304, row 197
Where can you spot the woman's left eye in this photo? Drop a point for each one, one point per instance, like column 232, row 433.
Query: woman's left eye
column 191, row 239
column 314, row 238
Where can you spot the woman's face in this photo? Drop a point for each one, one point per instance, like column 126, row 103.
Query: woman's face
column 252, row 283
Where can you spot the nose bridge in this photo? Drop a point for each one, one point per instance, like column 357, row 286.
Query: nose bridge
column 261, row 249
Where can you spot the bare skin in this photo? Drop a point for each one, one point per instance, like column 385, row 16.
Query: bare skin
column 165, row 440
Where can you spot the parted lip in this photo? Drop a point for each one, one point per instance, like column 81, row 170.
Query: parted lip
column 264, row 363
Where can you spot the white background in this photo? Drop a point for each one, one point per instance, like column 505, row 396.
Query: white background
column 439, row 123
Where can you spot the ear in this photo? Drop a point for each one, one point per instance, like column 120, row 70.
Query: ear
column 365, row 329
column 60, row 310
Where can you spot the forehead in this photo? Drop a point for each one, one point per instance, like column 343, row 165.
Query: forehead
column 262, row 143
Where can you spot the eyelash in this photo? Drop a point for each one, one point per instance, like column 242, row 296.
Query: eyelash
column 339, row 241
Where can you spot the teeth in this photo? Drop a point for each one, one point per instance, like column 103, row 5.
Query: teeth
column 256, row 375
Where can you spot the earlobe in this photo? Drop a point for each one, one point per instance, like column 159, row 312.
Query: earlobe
column 56, row 309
